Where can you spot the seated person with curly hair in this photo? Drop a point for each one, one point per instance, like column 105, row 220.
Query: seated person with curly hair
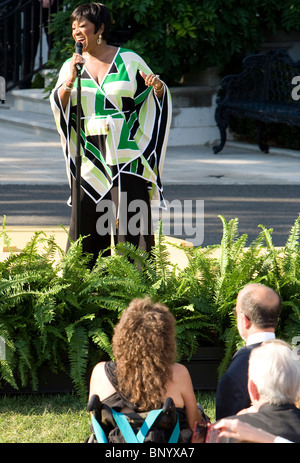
column 144, row 373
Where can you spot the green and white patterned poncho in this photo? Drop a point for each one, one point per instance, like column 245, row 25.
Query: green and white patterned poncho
column 124, row 127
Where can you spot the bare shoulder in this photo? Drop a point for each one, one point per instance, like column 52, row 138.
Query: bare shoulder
column 100, row 383
column 99, row 367
column 180, row 371
column 98, row 372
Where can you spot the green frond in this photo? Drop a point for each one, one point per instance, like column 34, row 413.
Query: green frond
column 102, row 340
column 268, row 236
column 291, row 315
column 27, row 362
column 4, row 235
column 231, row 335
column 133, row 254
column 52, row 250
column 292, row 242
column 14, row 284
column 75, row 262
column 160, row 257
column 7, row 361
column 186, row 346
column 78, row 356
column 31, row 248
column 291, row 252
column 46, row 303
column 6, row 374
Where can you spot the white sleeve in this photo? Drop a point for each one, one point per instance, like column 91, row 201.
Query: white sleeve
column 281, row 440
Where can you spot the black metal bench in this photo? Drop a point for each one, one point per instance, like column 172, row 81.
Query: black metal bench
column 262, row 91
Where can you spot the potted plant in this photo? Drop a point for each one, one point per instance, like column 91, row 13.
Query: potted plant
column 58, row 315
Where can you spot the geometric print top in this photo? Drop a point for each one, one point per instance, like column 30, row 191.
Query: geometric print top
column 124, row 127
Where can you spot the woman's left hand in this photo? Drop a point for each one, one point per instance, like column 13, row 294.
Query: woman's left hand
column 152, row 80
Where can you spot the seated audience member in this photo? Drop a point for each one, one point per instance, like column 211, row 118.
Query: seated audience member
column 274, row 386
column 144, row 372
column 257, row 311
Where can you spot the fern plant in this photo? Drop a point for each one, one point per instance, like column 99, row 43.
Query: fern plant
column 261, row 262
column 27, row 280
column 57, row 312
column 285, row 278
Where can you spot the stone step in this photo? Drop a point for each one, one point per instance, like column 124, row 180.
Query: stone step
column 37, row 123
column 192, row 119
column 30, row 110
column 32, row 100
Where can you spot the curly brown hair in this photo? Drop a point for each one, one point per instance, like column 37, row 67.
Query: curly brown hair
column 144, row 348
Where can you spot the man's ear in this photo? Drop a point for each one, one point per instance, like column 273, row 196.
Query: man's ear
column 253, row 392
column 247, row 322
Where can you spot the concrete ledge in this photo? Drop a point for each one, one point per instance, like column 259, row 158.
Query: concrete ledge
column 192, row 96
column 36, row 100
column 20, row 236
column 193, row 121
column 32, row 100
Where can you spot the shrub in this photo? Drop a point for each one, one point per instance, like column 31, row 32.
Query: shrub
column 176, row 38
column 57, row 313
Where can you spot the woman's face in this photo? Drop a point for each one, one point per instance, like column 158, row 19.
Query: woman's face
column 84, row 31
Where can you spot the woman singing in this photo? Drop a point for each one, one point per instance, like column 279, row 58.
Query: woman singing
column 125, row 122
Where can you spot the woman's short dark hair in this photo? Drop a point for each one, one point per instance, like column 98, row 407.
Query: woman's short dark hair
column 96, row 13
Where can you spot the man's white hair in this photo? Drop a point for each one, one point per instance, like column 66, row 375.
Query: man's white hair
column 274, row 367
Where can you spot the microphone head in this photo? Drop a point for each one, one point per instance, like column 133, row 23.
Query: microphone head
column 78, row 48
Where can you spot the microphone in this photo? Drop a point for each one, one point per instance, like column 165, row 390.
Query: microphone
column 78, row 49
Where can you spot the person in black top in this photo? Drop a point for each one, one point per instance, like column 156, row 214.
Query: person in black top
column 258, row 308
column 274, row 388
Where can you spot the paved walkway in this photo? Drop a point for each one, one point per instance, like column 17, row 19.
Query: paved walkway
column 36, row 159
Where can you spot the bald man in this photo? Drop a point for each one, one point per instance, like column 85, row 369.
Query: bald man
column 258, row 308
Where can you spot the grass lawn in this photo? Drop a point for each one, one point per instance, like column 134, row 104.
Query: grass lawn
column 56, row 418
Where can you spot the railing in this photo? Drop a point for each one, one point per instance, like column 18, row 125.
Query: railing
column 22, row 48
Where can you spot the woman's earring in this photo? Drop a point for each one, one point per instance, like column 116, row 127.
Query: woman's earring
column 99, row 40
